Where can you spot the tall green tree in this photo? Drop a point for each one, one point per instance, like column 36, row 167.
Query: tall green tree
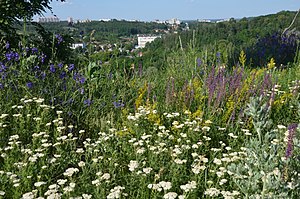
column 12, row 11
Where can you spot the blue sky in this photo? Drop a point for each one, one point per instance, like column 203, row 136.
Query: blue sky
column 148, row 10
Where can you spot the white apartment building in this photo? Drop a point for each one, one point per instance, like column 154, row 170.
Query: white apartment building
column 48, row 19
column 70, row 20
column 173, row 21
column 143, row 40
column 105, row 20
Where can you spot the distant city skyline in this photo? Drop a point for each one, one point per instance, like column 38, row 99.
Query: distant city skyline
column 150, row 10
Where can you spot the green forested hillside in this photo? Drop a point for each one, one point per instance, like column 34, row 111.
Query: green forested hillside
column 104, row 31
column 229, row 38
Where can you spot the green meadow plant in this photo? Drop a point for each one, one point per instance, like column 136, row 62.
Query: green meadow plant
column 266, row 170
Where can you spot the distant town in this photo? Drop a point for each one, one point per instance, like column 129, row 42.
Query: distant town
column 173, row 21
column 142, row 40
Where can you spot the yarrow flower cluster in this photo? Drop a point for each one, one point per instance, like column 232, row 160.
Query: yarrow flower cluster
column 163, row 185
column 133, row 165
column 116, row 192
column 70, row 171
column 189, row 186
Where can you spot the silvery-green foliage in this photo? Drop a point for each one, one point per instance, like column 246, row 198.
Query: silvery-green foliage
column 260, row 115
column 259, row 174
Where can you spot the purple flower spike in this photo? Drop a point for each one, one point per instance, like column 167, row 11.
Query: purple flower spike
column 81, row 91
column 34, row 50
column 81, row 80
column 88, row 102
column 60, row 65
column 7, row 45
column 71, row 67
column 118, row 104
column 43, row 57
column 29, row 85
column 59, row 38
column 199, row 62
column 63, row 75
column 52, row 68
column 289, row 149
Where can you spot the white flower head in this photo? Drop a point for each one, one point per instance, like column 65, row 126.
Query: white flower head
column 38, row 184
column 70, row 171
column 61, row 181
column 165, row 185
column 86, row 196
column 96, row 182
column 81, row 164
column 29, row 195
column 170, row 195
column 212, row 192
column 133, row 165
column 217, row 161
column 147, row 170
column 281, row 126
column 189, row 186
column 105, row 176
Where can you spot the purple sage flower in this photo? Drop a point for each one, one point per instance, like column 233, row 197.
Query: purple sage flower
column 52, row 68
column 7, row 45
column 218, row 55
column 29, row 85
column 59, row 38
column 289, row 149
column 81, row 80
column 88, row 102
column 43, row 57
column 17, row 57
column 63, row 75
column 118, row 104
column 81, row 91
column 34, row 50
column 2, row 67
column 60, row 65
column 71, row 67
column 199, row 62
column 36, row 68
column 12, row 56
column 43, row 75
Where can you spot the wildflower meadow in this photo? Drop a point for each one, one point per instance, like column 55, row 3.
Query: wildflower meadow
column 190, row 130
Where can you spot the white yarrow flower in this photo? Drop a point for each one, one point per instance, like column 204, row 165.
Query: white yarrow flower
column 86, row 196
column 105, row 176
column 217, row 161
column 170, row 195
column 147, row 170
column 81, row 164
column 212, row 192
column 133, row 165
column 189, row 186
column 28, row 195
column 165, row 185
column 281, row 126
column 70, row 171
column 38, row 184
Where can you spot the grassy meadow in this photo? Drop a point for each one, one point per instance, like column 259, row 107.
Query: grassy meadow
column 189, row 130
